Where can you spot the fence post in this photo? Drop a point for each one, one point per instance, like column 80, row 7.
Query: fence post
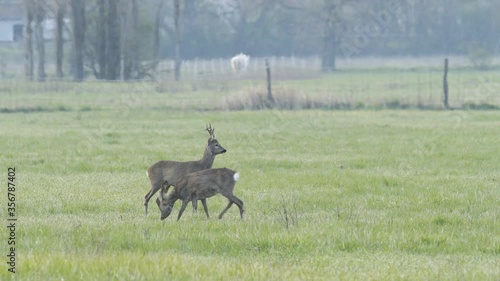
column 445, row 84
column 268, row 72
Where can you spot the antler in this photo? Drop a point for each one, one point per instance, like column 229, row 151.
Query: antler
column 211, row 131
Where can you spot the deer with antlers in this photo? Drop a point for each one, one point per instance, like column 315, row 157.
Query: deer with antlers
column 200, row 186
column 167, row 173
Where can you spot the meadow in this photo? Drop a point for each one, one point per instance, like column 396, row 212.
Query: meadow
column 371, row 194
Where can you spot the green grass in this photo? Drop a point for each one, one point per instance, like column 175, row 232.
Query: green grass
column 377, row 195
column 346, row 89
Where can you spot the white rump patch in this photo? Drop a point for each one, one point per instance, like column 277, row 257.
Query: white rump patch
column 236, row 176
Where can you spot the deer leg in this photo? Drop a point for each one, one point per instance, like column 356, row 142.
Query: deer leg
column 233, row 199
column 225, row 210
column 195, row 205
column 154, row 188
column 204, row 202
column 183, row 207
column 239, row 203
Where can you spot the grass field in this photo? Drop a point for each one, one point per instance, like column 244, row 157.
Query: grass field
column 368, row 194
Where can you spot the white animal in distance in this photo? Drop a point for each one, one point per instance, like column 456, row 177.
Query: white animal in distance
column 239, row 62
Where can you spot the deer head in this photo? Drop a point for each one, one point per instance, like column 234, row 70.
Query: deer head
column 213, row 145
column 166, row 203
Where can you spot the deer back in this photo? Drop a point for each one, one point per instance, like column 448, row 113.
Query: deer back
column 172, row 171
column 206, row 183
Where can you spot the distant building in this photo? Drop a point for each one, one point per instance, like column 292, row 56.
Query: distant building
column 12, row 23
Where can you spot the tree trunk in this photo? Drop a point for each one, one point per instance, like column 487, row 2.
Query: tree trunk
column 40, row 40
column 240, row 41
column 78, row 8
column 420, row 28
column 124, row 40
column 113, row 41
column 156, row 44
column 130, row 48
column 101, row 35
column 134, row 44
column 240, row 25
column 446, row 26
column 330, row 38
column 28, row 41
column 61, row 10
column 178, row 39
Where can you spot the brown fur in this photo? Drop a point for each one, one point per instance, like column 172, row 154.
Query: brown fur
column 166, row 173
column 199, row 186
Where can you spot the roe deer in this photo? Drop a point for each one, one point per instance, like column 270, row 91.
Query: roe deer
column 199, row 186
column 166, row 173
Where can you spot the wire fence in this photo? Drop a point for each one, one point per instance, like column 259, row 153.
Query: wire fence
column 213, row 68
column 359, row 83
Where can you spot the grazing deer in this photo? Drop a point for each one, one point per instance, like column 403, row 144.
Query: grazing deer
column 199, row 186
column 166, row 173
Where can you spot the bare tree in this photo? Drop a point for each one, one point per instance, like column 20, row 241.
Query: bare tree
column 178, row 39
column 28, row 40
column 39, row 15
column 101, row 39
column 242, row 15
column 78, row 9
column 156, row 43
column 129, row 42
column 134, row 42
column 421, row 26
column 60, row 13
column 328, row 54
column 113, row 41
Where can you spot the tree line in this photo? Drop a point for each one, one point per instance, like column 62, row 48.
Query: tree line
column 126, row 39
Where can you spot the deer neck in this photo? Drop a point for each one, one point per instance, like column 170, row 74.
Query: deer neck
column 208, row 158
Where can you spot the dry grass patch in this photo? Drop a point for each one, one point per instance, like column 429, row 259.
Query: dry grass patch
column 285, row 99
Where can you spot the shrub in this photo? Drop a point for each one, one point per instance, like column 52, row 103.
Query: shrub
column 286, row 99
column 480, row 106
